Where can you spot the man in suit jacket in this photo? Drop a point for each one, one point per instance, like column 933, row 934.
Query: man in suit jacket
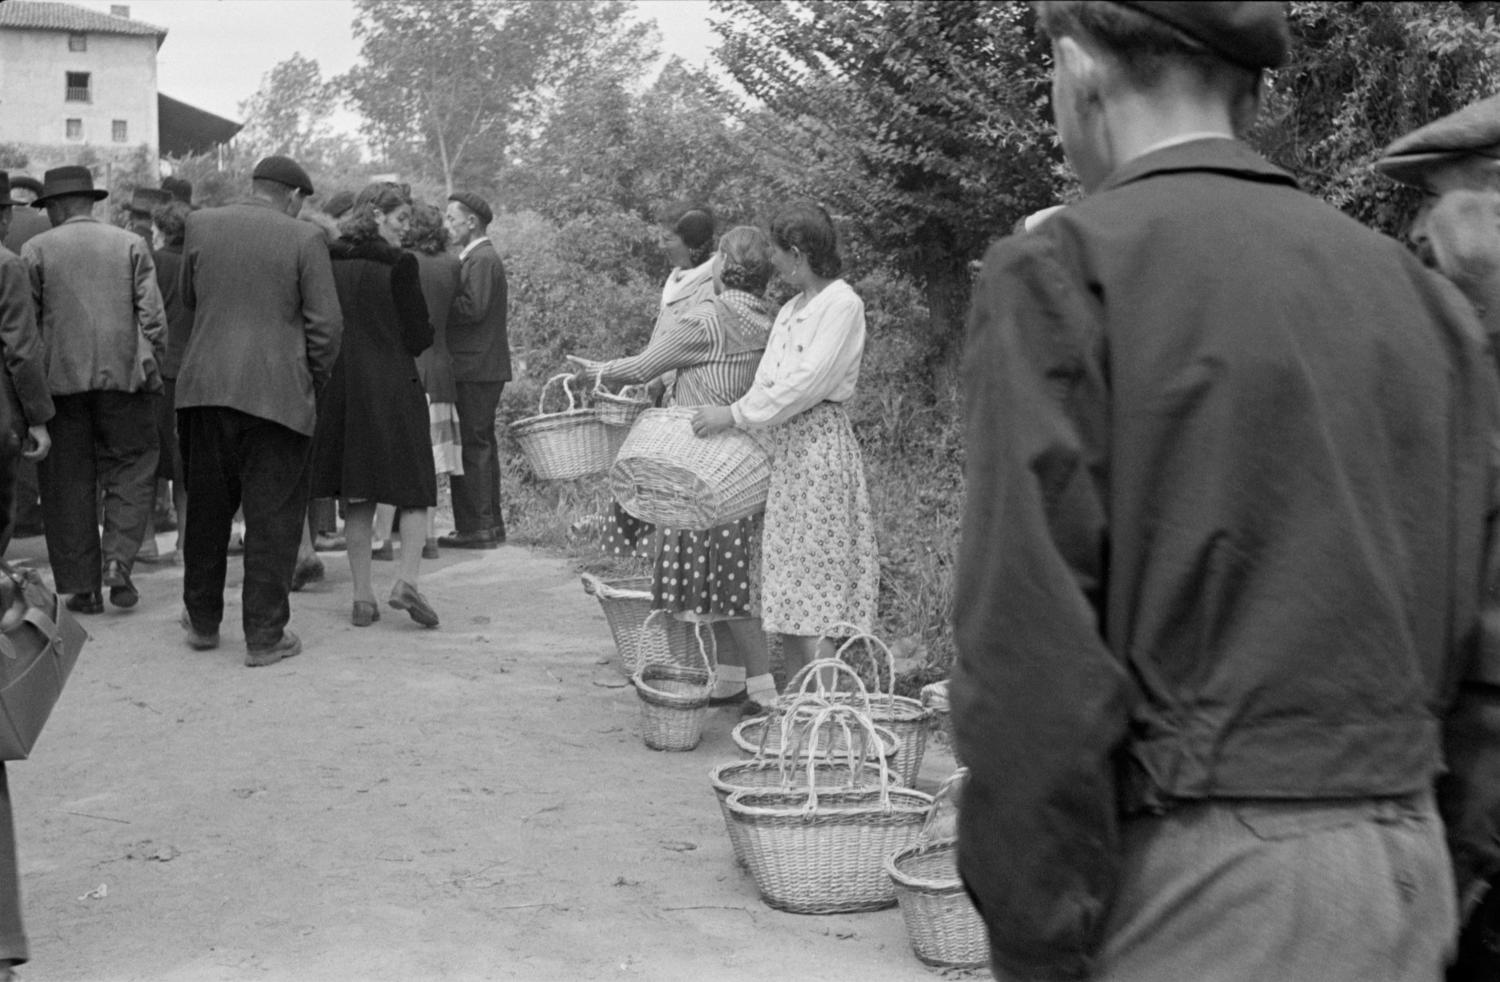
column 265, row 333
column 25, row 222
column 101, row 318
column 479, row 350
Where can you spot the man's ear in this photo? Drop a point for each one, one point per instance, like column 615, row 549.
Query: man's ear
column 1083, row 70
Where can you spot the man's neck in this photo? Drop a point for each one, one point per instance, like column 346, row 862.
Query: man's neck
column 1140, row 123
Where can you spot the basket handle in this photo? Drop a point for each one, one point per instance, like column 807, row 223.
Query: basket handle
column 709, row 664
column 890, row 660
column 847, row 717
column 939, row 826
column 541, row 402
column 813, row 672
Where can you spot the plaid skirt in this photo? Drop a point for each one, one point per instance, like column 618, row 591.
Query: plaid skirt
column 447, row 446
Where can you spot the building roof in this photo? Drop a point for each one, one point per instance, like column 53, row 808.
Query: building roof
column 32, row 15
column 183, row 130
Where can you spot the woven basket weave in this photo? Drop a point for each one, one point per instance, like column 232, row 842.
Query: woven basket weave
column 815, row 851
column 621, row 408
column 639, row 638
column 905, row 717
column 944, row 928
column 667, row 475
column 768, row 772
column 674, row 699
column 566, row 444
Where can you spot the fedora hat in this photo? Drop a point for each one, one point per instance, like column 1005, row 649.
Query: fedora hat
column 5, row 201
column 143, row 201
column 61, row 181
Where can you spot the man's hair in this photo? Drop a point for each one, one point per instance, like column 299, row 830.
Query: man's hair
column 72, row 205
column 275, row 190
column 1143, row 47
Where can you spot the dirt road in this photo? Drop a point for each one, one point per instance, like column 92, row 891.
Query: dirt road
column 468, row 803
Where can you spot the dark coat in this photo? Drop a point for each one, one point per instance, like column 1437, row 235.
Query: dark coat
column 179, row 318
column 440, row 285
column 1229, row 494
column 265, row 314
column 477, row 341
column 373, row 441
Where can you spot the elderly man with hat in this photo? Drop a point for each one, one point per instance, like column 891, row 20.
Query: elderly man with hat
column 265, row 332
column 479, row 350
column 105, row 330
column 1225, row 593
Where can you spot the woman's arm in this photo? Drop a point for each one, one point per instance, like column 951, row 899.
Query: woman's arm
column 685, row 344
column 812, row 369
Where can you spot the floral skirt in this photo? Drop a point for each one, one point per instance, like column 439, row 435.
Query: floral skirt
column 820, row 562
column 706, row 576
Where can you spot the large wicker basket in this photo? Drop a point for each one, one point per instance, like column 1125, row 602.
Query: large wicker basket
column 667, row 475
column 941, row 923
column 820, row 851
column 674, row 699
column 566, row 444
column 770, row 772
column 640, row 638
column 622, row 408
column 905, row 717
column 786, row 729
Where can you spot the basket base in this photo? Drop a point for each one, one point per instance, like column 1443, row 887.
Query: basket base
column 852, row 907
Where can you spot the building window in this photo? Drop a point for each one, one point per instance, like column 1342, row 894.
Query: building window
column 75, row 129
column 78, row 42
column 118, row 132
column 78, row 87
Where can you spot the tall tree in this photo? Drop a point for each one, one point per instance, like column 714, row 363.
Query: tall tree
column 919, row 121
column 445, row 83
column 292, row 113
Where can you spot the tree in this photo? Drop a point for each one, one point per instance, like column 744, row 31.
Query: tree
column 291, row 113
column 920, row 122
column 445, row 83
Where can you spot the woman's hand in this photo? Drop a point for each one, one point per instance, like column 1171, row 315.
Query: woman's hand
column 708, row 420
column 588, row 369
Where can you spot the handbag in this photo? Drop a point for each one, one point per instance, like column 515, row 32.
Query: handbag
column 37, row 653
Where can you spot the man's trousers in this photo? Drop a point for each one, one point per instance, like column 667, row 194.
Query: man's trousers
column 476, row 493
column 234, row 460
column 101, row 442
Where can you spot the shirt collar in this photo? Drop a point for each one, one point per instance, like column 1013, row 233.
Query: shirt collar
column 474, row 244
column 1194, row 152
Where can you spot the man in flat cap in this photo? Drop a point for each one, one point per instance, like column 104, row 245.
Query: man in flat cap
column 479, row 349
column 265, row 333
column 1222, row 608
column 102, row 321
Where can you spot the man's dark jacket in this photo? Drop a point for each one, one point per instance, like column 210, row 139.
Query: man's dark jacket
column 478, row 345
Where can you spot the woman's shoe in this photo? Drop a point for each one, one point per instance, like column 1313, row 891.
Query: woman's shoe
column 385, row 553
column 405, row 597
column 365, row 613
column 430, row 549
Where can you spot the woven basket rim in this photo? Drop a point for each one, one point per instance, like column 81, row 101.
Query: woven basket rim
column 890, row 743
column 895, row 866
column 725, row 788
column 568, row 417
column 792, row 804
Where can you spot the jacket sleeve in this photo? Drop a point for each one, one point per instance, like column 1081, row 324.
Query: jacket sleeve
column 22, row 343
column 411, row 305
column 322, row 319
column 1040, row 704
column 481, row 286
column 686, row 343
column 150, row 312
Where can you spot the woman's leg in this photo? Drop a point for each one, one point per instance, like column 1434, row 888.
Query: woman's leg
column 413, row 537
column 359, row 522
column 750, row 642
column 731, row 680
column 801, row 649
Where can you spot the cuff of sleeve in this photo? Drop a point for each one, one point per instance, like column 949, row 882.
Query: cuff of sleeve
column 739, row 417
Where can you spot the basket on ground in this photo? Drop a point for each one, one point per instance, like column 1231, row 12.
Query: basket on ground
column 782, row 731
column 667, row 475
column 907, row 718
column 941, row 923
column 566, row 444
column 620, row 409
column 640, row 638
column 674, row 699
column 771, row 772
column 813, row 850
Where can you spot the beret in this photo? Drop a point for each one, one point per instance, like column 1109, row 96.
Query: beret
column 1250, row 34
column 1473, row 131
column 26, row 181
column 474, row 203
column 283, row 170
column 145, row 200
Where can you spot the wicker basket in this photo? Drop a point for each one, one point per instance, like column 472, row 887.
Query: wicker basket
column 640, row 638
column 667, row 475
column 944, row 928
column 567, row 444
column 767, row 772
column 903, row 716
column 773, row 735
column 620, row 409
column 815, row 851
column 674, row 701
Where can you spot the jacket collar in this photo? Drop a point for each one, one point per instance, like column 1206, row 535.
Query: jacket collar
column 483, row 240
column 1217, row 154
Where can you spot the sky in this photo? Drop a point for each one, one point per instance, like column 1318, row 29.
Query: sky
column 216, row 51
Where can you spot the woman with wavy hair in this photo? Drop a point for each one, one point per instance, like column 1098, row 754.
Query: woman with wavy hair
column 713, row 576
column 372, row 442
column 821, row 567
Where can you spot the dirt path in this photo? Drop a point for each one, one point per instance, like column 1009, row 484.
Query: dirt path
column 468, row 803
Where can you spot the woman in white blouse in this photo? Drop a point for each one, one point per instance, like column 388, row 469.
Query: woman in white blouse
column 820, row 565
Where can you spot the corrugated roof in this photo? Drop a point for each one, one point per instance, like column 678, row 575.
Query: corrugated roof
column 32, row 15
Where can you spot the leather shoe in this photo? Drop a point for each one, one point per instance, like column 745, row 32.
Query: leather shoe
column 86, row 603
column 197, row 640
column 405, row 597
column 307, row 571
column 470, row 540
column 384, row 553
column 288, row 646
column 430, row 549
column 122, row 592
column 365, row 613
